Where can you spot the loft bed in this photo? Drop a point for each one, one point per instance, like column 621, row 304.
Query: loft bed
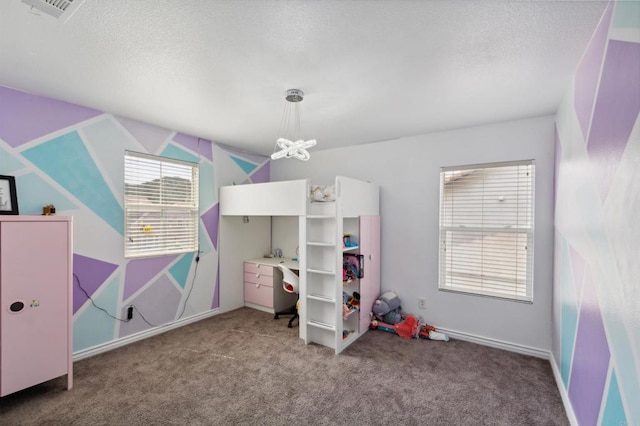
column 297, row 197
column 325, row 213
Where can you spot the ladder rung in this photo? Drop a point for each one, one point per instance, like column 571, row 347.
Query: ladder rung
column 322, row 325
column 320, row 271
column 321, row 298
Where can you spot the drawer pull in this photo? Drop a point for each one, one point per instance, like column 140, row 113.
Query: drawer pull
column 257, row 285
column 257, row 275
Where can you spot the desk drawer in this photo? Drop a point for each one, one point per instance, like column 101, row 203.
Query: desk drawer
column 259, row 294
column 258, row 279
column 256, row 268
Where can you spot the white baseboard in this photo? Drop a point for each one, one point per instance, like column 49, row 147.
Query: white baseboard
column 495, row 343
column 95, row 350
column 568, row 408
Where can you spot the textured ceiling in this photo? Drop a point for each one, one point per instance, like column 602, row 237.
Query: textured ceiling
column 370, row 70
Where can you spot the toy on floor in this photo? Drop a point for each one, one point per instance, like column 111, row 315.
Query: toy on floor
column 408, row 328
column 379, row 325
column 424, row 330
column 429, row 332
column 434, row 335
column 387, row 308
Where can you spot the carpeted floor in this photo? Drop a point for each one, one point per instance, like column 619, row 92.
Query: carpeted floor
column 244, row 368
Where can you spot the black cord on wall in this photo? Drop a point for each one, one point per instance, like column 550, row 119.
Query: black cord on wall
column 94, row 303
column 193, row 281
column 77, row 280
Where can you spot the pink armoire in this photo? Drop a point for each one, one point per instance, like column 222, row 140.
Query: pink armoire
column 370, row 283
column 35, row 301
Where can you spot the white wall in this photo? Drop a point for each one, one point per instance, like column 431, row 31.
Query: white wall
column 234, row 237
column 407, row 171
column 285, row 235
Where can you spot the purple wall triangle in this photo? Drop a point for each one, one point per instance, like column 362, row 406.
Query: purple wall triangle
column 90, row 275
column 199, row 146
column 263, row 174
column 140, row 271
column 210, row 220
column 616, row 110
column 588, row 72
column 590, row 359
column 24, row 117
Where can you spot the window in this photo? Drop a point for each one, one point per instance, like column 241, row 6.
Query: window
column 486, row 229
column 161, row 205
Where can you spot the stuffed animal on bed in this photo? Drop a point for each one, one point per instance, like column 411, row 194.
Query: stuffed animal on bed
column 322, row 193
column 387, row 308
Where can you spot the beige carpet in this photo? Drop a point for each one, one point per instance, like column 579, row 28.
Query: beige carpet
column 244, row 368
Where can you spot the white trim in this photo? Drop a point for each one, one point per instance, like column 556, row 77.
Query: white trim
column 95, row 350
column 495, row 343
column 563, row 393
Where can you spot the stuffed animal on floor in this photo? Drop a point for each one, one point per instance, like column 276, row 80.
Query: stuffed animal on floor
column 407, row 328
column 387, row 308
column 392, row 317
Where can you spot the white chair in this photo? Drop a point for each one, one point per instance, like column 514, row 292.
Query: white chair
column 291, row 284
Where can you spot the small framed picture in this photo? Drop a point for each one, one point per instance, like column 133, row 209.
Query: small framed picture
column 8, row 196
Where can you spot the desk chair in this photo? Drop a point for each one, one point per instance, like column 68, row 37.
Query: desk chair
column 290, row 283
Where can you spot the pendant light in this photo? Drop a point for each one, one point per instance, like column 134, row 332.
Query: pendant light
column 296, row 147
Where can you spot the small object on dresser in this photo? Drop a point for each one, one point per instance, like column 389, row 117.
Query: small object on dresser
column 48, row 210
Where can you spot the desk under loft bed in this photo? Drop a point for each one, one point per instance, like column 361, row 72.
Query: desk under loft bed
column 325, row 214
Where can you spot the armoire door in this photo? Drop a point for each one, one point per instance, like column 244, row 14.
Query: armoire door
column 34, row 293
column 370, row 283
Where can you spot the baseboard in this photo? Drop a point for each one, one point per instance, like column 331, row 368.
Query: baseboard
column 568, row 408
column 494, row 343
column 95, row 350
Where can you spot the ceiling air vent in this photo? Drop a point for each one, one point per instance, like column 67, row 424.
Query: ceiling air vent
column 59, row 9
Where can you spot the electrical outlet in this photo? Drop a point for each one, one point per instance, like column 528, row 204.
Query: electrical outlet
column 129, row 313
column 422, row 303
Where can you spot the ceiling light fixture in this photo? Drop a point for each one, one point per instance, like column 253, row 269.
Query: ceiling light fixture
column 295, row 147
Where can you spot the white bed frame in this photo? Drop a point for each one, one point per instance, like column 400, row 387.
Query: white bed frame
column 240, row 240
column 291, row 198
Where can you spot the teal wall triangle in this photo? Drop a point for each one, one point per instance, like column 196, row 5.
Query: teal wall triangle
column 244, row 165
column 180, row 271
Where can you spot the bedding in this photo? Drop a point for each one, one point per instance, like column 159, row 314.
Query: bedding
column 322, row 193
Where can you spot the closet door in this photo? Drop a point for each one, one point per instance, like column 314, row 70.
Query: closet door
column 370, row 283
column 34, row 292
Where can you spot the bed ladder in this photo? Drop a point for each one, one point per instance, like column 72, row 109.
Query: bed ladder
column 323, row 274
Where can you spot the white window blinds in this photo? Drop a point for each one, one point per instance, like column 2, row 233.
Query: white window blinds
column 486, row 229
column 161, row 205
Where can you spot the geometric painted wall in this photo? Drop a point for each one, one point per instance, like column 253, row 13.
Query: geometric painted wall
column 73, row 157
column 596, row 324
